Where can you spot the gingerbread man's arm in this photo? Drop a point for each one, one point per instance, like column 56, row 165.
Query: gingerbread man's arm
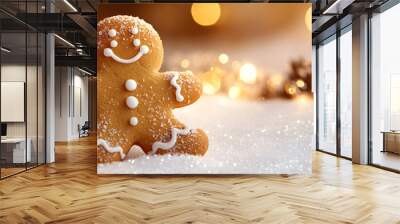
column 183, row 88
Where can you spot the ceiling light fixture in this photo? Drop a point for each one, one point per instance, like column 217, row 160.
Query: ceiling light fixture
column 65, row 41
column 84, row 71
column 5, row 50
column 70, row 6
column 337, row 7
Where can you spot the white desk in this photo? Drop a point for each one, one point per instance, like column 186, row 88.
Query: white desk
column 18, row 149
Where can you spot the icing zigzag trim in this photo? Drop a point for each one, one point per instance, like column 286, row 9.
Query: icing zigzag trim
column 174, row 83
column 171, row 143
column 110, row 149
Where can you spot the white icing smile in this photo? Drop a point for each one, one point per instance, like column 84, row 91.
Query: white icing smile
column 144, row 49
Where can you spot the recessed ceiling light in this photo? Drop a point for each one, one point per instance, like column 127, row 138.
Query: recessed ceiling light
column 65, row 41
column 5, row 50
column 84, row 71
column 70, row 6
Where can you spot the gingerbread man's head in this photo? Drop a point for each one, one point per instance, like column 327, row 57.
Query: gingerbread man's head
column 129, row 41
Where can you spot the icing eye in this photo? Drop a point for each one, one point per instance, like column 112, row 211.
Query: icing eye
column 135, row 30
column 144, row 49
column 136, row 42
column 112, row 33
column 114, row 43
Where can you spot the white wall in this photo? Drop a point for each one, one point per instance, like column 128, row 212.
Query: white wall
column 61, row 103
column 12, row 73
column 33, row 127
column 71, row 103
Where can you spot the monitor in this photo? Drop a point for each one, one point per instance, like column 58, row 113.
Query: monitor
column 3, row 129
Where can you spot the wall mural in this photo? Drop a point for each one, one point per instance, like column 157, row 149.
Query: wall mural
column 204, row 88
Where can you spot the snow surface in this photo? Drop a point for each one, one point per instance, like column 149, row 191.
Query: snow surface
column 245, row 137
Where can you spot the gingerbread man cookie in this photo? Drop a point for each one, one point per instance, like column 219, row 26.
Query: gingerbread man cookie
column 135, row 100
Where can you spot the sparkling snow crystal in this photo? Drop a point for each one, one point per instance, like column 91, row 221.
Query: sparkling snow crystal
column 245, row 137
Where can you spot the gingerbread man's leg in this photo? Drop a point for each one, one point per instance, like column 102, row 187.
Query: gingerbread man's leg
column 183, row 141
column 195, row 143
column 184, row 89
column 104, row 156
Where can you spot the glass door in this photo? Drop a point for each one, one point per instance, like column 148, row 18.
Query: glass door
column 326, row 99
column 14, row 155
column 22, row 77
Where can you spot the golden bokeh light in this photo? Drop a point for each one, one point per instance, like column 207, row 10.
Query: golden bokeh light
column 223, row 58
column 308, row 19
column 276, row 80
column 211, row 81
column 209, row 89
column 206, row 14
column 290, row 89
column 234, row 92
column 235, row 65
column 248, row 73
column 303, row 99
column 300, row 83
column 185, row 63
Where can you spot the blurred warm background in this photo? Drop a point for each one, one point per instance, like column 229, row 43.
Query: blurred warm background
column 249, row 50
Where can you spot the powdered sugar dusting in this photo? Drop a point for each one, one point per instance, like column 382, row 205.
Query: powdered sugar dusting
column 244, row 137
column 124, row 28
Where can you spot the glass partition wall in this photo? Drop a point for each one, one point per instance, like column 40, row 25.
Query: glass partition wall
column 345, row 91
column 385, row 89
column 334, row 93
column 22, row 77
column 327, row 95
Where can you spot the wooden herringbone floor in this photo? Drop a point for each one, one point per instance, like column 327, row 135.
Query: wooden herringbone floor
column 70, row 191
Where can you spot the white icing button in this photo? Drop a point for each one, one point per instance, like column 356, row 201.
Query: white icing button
column 132, row 102
column 136, row 42
column 114, row 43
column 144, row 49
column 112, row 33
column 130, row 84
column 133, row 121
column 134, row 30
column 108, row 52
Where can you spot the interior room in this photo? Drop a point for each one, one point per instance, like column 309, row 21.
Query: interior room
column 334, row 61
column 385, row 89
column 22, row 99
